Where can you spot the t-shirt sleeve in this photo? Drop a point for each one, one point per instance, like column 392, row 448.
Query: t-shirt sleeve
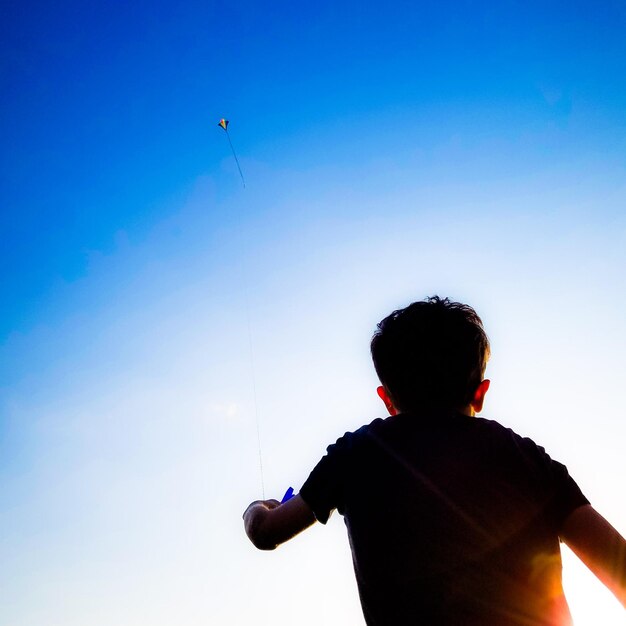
column 568, row 495
column 564, row 494
column 323, row 490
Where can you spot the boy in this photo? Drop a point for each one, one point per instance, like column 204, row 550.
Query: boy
column 452, row 519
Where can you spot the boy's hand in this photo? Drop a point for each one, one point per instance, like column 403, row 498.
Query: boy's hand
column 269, row 523
column 253, row 519
column 265, row 504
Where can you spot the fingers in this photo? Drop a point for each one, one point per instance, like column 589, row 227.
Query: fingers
column 266, row 504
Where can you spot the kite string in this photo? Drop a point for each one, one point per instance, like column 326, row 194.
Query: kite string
column 256, row 405
column 236, row 159
column 223, row 123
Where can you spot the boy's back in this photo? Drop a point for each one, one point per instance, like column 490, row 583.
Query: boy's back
column 452, row 520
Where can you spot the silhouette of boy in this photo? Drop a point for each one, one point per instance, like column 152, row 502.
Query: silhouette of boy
column 452, row 519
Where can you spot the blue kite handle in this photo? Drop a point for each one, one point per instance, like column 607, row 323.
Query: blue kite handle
column 288, row 495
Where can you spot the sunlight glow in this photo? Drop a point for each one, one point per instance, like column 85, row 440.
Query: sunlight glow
column 590, row 602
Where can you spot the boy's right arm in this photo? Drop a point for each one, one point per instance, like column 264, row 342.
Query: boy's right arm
column 599, row 546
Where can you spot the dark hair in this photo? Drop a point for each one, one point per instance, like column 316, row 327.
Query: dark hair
column 432, row 353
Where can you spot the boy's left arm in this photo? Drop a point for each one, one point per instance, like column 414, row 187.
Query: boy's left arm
column 599, row 546
column 269, row 523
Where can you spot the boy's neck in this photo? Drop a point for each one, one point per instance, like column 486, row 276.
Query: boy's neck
column 468, row 410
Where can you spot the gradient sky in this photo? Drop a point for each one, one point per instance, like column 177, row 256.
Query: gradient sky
column 154, row 309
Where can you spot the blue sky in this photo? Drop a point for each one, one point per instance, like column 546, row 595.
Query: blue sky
column 390, row 152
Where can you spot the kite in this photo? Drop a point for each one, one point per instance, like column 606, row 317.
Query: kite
column 224, row 124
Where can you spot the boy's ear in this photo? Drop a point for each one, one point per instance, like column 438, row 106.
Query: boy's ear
column 479, row 395
column 383, row 394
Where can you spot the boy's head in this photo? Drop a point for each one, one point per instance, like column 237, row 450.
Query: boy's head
column 431, row 354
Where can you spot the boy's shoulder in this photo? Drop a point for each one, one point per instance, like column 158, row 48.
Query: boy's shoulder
column 447, row 430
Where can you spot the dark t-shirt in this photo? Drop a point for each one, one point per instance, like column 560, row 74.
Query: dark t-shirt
column 452, row 520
